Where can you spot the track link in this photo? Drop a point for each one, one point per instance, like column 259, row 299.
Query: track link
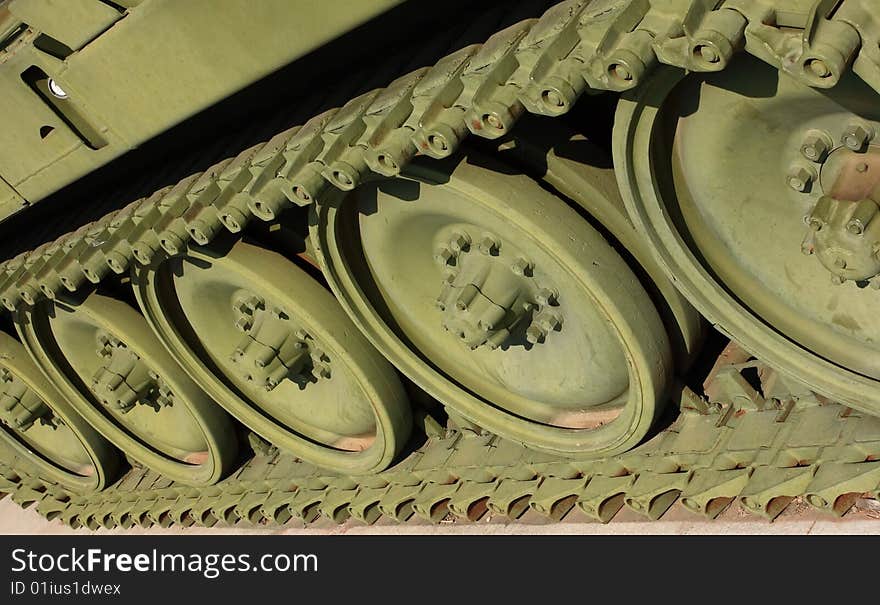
column 764, row 451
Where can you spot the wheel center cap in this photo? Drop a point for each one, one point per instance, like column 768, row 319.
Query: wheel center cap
column 844, row 227
column 273, row 348
column 490, row 293
column 124, row 380
column 20, row 407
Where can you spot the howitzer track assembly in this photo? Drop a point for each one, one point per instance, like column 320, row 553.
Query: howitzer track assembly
column 443, row 298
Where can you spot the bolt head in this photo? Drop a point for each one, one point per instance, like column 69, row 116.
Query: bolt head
column 546, row 297
column 459, row 242
column 494, row 121
column 856, row 137
column 489, row 245
column 343, row 179
column 855, row 227
column 535, row 334
column 819, row 68
column 522, row 267
column 552, row 98
column 709, row 54
column 816, row 146
column 620, row 72
column 443, row 256
column 800, row 179
column 551, row 322
column 438, row 142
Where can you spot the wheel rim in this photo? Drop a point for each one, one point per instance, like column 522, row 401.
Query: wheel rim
column 750, row 260
column 450, row 266
column 292, row 368
column 104, row 358
column 43, row 429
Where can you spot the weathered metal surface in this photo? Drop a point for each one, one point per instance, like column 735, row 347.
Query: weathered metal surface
column 130, row 70
column 763, row 445
column 762, row 457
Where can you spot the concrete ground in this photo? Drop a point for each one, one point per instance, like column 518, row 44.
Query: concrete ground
column 798, row 519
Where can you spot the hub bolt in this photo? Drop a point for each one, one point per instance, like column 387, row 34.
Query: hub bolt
column 816, row 146
column 489, row 245
column 535, row 334
column 443, row 256
column 522, row 267
column 550, row 322
column 857, row 136
column 459, row 242
column 800, row 179
column 546, row 297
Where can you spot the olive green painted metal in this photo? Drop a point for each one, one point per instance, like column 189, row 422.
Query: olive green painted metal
column 711, row 181
column 709, row 459
column 275, row 349
column 40, row 425
column 506, row 305
column 787, row 440
column 103, row 357
column 118, row 77
column 570, row 163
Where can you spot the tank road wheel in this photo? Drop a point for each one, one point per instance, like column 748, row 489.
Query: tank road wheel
column 762, row 198
column 43, row 429
column 500, row 301
column 274, row 348
column 105, row 359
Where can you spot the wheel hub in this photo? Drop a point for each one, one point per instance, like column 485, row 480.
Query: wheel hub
column 38, row 423
column 119, row 377
column 843, row 228
column 124, row 380
column 268, row 342
column 273, row 347
column 500, row 301
column 721, row 173
column 490, row 292
column 21, row 407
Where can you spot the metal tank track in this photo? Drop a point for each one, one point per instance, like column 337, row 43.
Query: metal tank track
column 761, row 451
column 764, row 451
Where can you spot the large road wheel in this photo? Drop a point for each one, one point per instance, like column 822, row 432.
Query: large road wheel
column 105, row 360
column 502, row 302
column 43, row 429
column 274, row 348
column 761, row 197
